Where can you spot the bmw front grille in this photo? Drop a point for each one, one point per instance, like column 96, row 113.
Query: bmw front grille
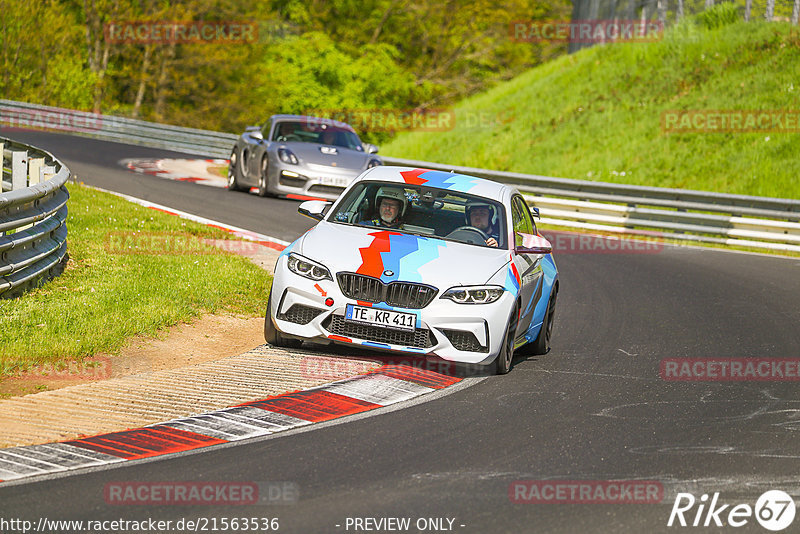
column 410, row 295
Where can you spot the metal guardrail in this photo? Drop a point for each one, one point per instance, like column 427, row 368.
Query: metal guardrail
column 700, row 216
column 652, row 212
column 123, row 130
column 33, row 217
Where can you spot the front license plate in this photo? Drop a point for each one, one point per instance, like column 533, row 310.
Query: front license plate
column 337, row 181
column 383, row 318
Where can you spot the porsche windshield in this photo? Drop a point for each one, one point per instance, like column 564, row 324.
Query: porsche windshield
column 316, row 132
column 424, row 211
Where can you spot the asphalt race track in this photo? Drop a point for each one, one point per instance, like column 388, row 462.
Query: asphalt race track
column 594, row 409
column 96, row 163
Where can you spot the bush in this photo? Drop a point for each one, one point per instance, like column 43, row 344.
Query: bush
column 718, row 16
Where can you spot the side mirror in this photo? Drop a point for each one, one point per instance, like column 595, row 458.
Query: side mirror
column 535, row 212
column 533, row 244
column 314, row 208
column 370, row 148
column 256, row 134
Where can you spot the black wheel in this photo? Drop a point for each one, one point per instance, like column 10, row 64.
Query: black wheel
column 234, row 172
column 503, row 361
column 272, row 335
column 263, row 179
column 542, row 343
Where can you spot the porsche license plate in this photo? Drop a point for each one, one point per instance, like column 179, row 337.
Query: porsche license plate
column 337, row 181
column 383, row 318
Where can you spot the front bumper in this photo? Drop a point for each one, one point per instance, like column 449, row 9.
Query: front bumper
column 454, row 332
column 319, row 181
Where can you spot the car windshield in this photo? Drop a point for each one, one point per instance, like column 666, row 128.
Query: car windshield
column 424, row 211
column 317, row 132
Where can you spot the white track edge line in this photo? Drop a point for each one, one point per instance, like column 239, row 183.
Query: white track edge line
column 241, row 232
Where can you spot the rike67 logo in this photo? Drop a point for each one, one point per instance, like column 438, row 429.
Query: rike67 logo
column 774, row 510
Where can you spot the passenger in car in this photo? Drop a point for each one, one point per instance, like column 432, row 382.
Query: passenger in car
column 328, row 138
column 483, row 215
column 392, row 205
column 286, row 132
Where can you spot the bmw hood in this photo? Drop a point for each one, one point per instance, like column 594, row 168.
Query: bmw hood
column 336, row 156
column 391, row 256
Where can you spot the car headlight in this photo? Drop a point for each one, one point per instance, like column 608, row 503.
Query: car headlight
column 287, row 156
column 474, row 294
column 373, row 163
column 307, row 268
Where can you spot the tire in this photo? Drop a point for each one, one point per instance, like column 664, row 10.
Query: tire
column 542, row 343
column 263, row 178
column 234, row 172
column 271, row 334
column 506, row 354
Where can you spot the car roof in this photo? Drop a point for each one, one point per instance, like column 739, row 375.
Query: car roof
column 313, row 120
column 440, row 179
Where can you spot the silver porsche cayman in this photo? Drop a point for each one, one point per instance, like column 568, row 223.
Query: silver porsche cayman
column 299, row 157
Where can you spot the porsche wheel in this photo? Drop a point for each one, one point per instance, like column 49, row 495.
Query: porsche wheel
column 234, row 172
column 263, row 179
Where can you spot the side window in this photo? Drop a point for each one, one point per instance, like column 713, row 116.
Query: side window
column 280, row 129
column 521, row 216
column 265, row 129
column 527, row 214
column 518, row 220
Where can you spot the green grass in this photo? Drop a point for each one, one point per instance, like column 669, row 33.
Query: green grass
column 105, row 296
column 596, row 114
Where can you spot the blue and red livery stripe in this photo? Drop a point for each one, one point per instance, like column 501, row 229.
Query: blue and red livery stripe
column 440, row 179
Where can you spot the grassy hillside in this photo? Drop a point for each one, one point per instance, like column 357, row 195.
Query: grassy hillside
column 596, row 114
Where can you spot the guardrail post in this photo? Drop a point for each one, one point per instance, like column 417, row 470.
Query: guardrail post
column 35, row 170
column 19, row 170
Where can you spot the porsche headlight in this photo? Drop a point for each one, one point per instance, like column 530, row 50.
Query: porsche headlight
column 307, row 268
column 474, row 294
column 373, row 163
column 287, row 156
